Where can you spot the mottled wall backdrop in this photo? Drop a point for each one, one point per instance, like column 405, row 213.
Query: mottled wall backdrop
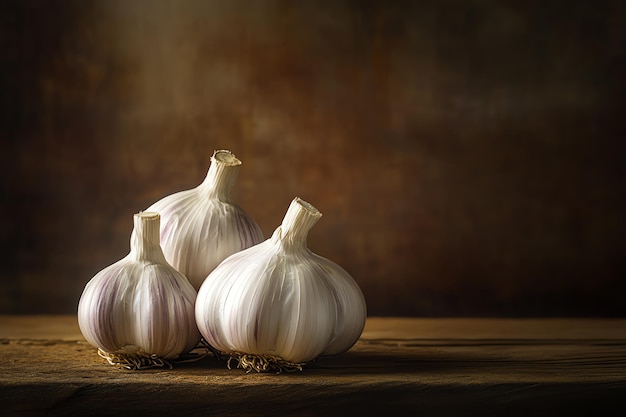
column 468, row 156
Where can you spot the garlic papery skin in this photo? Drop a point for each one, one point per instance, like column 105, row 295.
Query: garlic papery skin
column 203, row 226
column 278, row 303
column 140, row 308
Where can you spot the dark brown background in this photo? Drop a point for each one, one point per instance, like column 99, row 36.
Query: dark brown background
column 467, row 155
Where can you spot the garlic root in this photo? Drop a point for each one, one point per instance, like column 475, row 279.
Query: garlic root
column 140, row 359
column 263, row 363
column 134, row 361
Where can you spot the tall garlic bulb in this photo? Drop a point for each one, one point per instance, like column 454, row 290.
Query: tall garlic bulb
column 139, row 311
column 203, row 226
column 278, row 305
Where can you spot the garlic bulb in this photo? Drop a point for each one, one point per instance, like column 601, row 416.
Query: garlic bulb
column 278, row 305
column 139, row 311
column 202, row 226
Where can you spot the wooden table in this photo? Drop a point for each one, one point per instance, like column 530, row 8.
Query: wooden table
column 400, row 366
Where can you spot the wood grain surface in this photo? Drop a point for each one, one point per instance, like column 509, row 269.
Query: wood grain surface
column 400, row 366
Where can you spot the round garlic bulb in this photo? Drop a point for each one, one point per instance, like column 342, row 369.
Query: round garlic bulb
column 277, row 305
column 202, row 226
column 139, row 310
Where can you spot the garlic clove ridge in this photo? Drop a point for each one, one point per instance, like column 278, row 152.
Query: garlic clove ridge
column 278, row 301
column 202, row 226
column 140, row 306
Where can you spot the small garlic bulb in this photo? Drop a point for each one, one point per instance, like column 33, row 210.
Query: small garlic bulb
column 139, row 311
column 203, row 226
column 278, row 305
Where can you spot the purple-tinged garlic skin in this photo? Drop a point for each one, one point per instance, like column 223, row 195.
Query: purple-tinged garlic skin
column 140, row 303
column 279, row 299
column 203, row 226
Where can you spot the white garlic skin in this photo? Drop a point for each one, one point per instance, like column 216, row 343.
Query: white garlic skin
column 278, row 298
column 203, row 226
column 140, row 301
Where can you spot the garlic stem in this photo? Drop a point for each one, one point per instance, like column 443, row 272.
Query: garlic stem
column 145, row 242
column 299, row 219
column 222, row 175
